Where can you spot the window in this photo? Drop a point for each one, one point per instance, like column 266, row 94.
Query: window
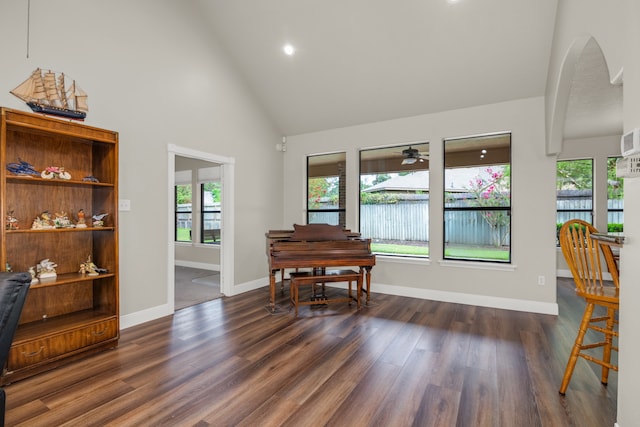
column 326, row 189
column 574, row 191
column 477, row 198
column 183, row 213
column 394, row 199
column 210, row 214
column 198, row 215
column 615, row 198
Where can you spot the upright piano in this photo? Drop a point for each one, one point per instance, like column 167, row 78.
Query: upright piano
column 318, row 246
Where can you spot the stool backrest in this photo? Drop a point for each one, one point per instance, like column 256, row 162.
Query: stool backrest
column 585, row 257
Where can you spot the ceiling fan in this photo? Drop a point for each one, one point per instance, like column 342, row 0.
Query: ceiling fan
column 411, row 155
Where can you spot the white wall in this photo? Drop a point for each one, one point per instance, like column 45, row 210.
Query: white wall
column 614, row 25
column 629, row 380
column 533, row 219
column 157, row 78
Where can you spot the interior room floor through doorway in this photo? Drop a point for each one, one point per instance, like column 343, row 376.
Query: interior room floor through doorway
column 194, row 286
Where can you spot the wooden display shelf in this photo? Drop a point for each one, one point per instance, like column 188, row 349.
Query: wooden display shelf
column 39, row 181
column 62, row 279
column 71, row 315
column 60, row 230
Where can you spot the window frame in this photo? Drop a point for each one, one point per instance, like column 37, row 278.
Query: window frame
column 591, row 211
column 508, row 209
column 177, row 213
column 394, row 157
column 611, row 211
column 203, row 212
column 342, row 194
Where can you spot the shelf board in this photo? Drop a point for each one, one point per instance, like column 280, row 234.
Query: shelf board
column 36, row 180
column 60, row 230
column 62, row 279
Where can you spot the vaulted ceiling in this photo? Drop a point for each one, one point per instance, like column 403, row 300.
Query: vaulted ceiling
column 362, row 61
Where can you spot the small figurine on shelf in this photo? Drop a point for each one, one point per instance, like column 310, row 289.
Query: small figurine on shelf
column 34, row 279
column 89, row 268
column 53, row 172
column 81, row 223
column 46, row 269
column 90, row 178
column 22, row 168
column 43, row 222
column 98, row 220
column 7, row 267
column 62, row 220
column 12, row 221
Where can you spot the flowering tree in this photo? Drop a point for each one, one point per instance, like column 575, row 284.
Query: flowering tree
column 322, row 190
column 491, row 190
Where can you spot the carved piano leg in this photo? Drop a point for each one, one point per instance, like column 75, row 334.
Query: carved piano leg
column 368, row 281
column 282, row 281
column 272, row 290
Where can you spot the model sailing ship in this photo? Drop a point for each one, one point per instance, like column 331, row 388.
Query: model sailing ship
column 46, row 92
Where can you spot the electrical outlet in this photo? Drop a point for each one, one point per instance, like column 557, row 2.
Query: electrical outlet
column 541, row 280
column 124, row 205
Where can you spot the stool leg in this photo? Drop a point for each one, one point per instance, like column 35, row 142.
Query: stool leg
column 606, row 351
column 573, row 358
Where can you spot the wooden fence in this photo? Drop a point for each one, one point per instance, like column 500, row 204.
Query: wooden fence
column 410, row 222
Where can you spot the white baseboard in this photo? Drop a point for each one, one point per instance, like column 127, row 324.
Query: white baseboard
column 567, row 274
column 142, row 316
column 250, row 286
column 153, row 313
column 461, row 298
column 201, row 265
column 469, row 299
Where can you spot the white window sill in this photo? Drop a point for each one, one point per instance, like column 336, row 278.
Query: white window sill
column 397, row 259
column 478, row 265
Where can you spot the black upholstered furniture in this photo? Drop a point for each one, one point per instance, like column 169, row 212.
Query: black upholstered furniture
column 13, row 292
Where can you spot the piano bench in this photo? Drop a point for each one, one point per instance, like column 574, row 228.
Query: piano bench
column 298, row 279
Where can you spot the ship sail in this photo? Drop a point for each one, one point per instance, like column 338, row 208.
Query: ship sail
column 25, row 90
column 46, row 93
column 51, row 89
column 61, row 91
column 39, row 93
column 81, row 99
column 71, row 100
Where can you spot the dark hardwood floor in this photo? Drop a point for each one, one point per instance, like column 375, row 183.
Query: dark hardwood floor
column 399, row 362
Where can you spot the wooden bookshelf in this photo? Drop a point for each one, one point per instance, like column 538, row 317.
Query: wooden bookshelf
column 73, row 314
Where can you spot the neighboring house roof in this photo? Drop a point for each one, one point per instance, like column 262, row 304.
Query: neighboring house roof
column 415, row 181
column 457, row 180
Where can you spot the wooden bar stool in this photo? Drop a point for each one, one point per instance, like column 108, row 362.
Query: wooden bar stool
column 298, row 279
column 585, row 258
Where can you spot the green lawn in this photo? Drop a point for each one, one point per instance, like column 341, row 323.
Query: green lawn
column 183, row 235
column 451, row 252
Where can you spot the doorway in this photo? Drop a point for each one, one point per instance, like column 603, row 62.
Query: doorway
column 200, row 263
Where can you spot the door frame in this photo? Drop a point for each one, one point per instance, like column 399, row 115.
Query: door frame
column 227, row 224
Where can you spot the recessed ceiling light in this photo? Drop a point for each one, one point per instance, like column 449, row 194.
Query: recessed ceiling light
column 288, row 49
column 452, row 1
